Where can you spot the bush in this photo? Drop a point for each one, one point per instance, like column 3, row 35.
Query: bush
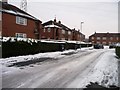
column 18, row 48
column 117, row 50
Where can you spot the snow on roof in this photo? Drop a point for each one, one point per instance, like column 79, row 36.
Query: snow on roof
column 18, row 13
column 52, row 26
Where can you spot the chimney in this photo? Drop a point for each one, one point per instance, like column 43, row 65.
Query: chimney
column 59, row 22
column 5, row 1
column 55, row 20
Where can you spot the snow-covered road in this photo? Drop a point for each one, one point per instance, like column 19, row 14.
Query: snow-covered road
column 66, row 71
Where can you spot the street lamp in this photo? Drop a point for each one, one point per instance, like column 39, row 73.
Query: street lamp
column 81, row 25
column 81, row 33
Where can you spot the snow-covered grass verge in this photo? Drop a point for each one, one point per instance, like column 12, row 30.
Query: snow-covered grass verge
column 105, row 71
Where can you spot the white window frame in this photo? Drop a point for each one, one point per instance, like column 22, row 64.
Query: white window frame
column 44, row 30
column 63, row 31
column 0, row 16
column 111, row 38
column 104, row 42
column 21, row 20
column 49, row 29
column 104, row 38
column 98, row 42
column 117, row 38
column 98, row 38
column 92, row 38
column 69, row 32
column 21, row 35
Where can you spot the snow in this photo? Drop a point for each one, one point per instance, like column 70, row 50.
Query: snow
column 12, row 39
column 29, row 40
column 9, row 11
column 118, row 44
column 105, row 71
column 58, row 54
column 18, row 13
column 51, row 41
column 77, row 42
column 71, row 41
column 52, row 26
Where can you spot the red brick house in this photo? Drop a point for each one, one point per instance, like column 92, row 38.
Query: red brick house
column 17, row 23
column 104, row 38
column 78, row 36
column 57, row 31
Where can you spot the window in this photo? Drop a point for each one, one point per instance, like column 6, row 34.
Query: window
column 63, row 38
column 21, row 20
column 63, row 31
column 21, row 35
column 44, row 30
column 98, row 42
column 92, row 37
column 0, row 34
column 49, row 29
column 104, row 43
column 69, row 39
column 104, row 38
column 0, row 16
column 111, row 38
column 117, row 38
column 98, row 38
column 69, row 32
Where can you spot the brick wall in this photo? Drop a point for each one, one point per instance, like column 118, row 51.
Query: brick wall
column 9, row 27
column 105, row 38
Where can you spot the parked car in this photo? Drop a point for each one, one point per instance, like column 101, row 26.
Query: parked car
column 112, row 46
column 98, row 46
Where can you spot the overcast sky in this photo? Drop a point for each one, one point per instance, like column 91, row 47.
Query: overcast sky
column 97, row 15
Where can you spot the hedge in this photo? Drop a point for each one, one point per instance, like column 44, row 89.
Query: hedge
column 19, row 48
column 117, row 50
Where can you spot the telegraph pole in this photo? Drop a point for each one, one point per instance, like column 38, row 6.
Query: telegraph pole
column 23, row 5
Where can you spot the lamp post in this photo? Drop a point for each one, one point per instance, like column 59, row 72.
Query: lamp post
column 81, row 33
column 81, row 30
column 81, row 25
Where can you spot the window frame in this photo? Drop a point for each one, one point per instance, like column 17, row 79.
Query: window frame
column 98, row 38
column 49, row 29
column 63, row 31
column 21, row 21
column 21, row 35
column 104, row 38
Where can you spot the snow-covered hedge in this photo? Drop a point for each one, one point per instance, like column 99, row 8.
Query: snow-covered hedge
column 19, row 46
column 117, row 50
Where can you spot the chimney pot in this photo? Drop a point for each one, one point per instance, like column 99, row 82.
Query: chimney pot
column 55, row 20
column 59, row 22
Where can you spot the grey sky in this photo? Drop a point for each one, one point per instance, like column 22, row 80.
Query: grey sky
column 97, row 16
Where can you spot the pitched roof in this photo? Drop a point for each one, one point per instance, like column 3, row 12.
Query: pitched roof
column 8, row 8
column 57, row 24
column 105, row 34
